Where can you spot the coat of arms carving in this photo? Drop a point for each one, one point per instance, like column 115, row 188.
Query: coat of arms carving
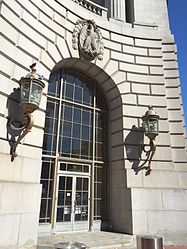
column 88, row 39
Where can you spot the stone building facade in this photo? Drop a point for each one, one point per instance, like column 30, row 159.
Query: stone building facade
column 103, row 63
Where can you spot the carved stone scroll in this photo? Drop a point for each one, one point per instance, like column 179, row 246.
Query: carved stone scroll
column 88, row 40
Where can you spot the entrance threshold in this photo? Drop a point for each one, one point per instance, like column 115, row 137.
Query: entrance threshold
column 92, row 240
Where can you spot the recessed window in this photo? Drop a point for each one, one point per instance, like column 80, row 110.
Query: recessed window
column 129, row 8
column 75, row 128
column 100, row 2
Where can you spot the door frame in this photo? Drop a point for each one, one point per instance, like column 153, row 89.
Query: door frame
column 61, row 226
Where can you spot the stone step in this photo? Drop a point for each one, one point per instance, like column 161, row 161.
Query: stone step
column 92, row 240
column 117, row 246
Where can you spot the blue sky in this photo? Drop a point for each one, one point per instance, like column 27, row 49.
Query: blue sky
column 178, row 26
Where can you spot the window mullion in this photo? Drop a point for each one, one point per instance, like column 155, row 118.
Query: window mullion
column 55, row 180
column 93, row 164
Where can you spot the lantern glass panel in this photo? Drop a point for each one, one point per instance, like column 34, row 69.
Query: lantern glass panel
column 36, row 93
column 153, row 126
column 146, row 126
column 25, row 91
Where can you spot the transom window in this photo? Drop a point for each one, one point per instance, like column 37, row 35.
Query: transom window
column 75, row 130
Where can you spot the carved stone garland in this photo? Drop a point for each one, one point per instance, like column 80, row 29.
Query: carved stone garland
column 88, row 40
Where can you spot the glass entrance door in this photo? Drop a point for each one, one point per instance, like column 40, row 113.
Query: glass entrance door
column 72, row 203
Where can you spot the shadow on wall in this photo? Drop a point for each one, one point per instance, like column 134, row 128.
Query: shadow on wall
column 134, row 145
column 15, row 117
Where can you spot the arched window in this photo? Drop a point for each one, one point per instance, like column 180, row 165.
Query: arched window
column 74, row 150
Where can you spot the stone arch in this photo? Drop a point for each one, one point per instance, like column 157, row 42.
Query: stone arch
column 111, row 90
column 104, row 80
column 117, row 172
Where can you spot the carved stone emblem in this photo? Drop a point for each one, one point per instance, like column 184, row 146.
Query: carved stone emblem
column 88, row 39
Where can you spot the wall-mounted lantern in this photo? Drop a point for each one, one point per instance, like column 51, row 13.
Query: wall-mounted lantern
column 31, row 88
column 151, row 129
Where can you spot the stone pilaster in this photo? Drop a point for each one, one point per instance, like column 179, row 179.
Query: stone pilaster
column 118, row 9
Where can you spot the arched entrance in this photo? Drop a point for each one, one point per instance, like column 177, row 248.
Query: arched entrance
column 74, row 169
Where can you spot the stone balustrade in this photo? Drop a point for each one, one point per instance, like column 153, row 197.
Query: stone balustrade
column 93, row 7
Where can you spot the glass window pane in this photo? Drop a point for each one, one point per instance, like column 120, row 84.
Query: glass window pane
column 77, row 115
column 85, row 198
column 99, row 120
column 78, row 94
column 74, row 167
column 53, row 144
column 69, row 78
column 67, row 129
column 48, row 125
column 99, row 150
column 49, row 206
column 85, row 183
column 60, row 214
column 66, row 145
column 76, row 130
column 54, row 85
column 95, row 189
column 85, row 132
column 79, row 183
column 69, row 183
column 78, row 198
column 67, row 113
column 85, row 213
column 84, row 147
column 99, row 135
column 52, row 109
column 97, row 207
column 85, row 117
column 44, row 188
column 78, row 214
column 63, row 166
column 99, row 174
column 61, row 198
column 78, row 82
column 69, row 91
column 87, row 96
column 86, row 169
column 42, row 220
column 67, row 213
column 45, row 170
column 61, row 183
column 68, row 198
column 43, row 207
column 50, row 191
column 76, row 146
column 99, row 193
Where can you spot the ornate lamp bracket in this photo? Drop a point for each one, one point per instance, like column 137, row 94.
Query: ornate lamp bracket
column 26, row 127
column 31, row 88
column 151, row 130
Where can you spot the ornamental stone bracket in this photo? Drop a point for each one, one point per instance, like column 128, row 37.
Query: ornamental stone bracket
column 88, row 40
